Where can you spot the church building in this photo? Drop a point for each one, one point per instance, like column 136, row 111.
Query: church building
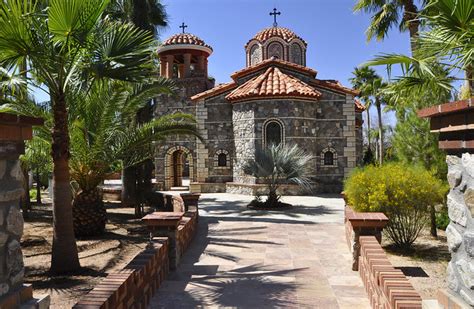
column 275, row 99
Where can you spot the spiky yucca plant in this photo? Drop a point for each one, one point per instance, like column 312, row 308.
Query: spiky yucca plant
column 278, row 165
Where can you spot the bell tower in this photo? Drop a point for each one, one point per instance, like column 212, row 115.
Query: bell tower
column 183, row 57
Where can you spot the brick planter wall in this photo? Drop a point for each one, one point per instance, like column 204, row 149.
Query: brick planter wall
column 133, row 286
column 386, row 286
column 359, row 224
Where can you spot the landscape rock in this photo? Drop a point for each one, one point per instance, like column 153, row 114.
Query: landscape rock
column 468, row 298
column 7, row 196
column 469, row 243
column 452, row 281
column 469, row 199
column 454, row 178
column 468, row 163
column 16, row 172
column 454, row 238
column 14, row 258
column 466, row 270
column 457, row 212
column 15, row 221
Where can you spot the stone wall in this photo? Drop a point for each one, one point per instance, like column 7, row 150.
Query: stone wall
column 460, row 231
column 11, row 226
column 13, row 131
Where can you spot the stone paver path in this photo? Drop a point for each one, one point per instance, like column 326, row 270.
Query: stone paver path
column 265, row 259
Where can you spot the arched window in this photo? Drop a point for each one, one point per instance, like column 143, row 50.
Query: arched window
column 296, row 53
column 273, row 133
column 255, row 54
column 329, row 157
column 222, row 160
column 275, row 49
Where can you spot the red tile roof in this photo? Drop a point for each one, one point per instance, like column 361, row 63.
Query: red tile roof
column 185, row 38
column 359, row 106
column 280, row 32
column 273, row 61
column 334, row 85
column 273, row 83
column 214, row 91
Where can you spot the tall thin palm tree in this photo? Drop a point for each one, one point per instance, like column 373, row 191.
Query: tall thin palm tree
column 361, row 77
column 387, row 14
column 65, row 45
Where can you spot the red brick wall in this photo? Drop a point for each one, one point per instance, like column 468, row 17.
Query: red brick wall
column 387, row 287
column 133, row 286
column 186, row 230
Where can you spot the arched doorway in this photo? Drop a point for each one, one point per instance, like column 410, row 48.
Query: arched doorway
column 179, row 167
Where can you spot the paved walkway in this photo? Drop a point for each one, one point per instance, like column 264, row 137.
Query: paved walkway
column 260, row 259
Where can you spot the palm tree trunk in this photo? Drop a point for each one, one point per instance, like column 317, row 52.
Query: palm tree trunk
column 379, row 114
column 368, row 128
column 470, row 79
column 410, row 17
column 64, row 256
column 38, row 189
column 129, row 186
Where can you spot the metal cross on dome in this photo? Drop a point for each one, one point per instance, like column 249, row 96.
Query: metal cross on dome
column 183, row 26
column 275, row 13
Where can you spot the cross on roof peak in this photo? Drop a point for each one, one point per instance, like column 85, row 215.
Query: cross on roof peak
column 275, row 13
column 183, row 26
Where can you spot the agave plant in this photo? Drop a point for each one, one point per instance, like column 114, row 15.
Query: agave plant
column 278, row 165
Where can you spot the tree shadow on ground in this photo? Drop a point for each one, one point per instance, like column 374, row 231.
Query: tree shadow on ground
column 255, row 286
column 238, row 211
column 420, row 251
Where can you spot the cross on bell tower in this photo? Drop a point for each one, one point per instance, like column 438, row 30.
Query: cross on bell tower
column 275, row 13
column 183, row 26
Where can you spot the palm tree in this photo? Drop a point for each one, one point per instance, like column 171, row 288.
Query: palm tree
column 145, row 14
column 447, row 42
column 388, row 14
column 148, row 15
column 63, row 46
column 363, row 76
column 277, row 165
column 105, row 134
column 371, row 87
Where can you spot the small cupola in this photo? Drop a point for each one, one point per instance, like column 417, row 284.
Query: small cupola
column 184, row 55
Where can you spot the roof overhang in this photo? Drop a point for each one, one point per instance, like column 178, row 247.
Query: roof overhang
column 171, row 47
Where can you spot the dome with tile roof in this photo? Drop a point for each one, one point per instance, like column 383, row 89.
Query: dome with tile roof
column 276, row 32
column 185, row 41
column 278, row 42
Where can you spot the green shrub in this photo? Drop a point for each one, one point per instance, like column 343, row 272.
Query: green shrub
column 442, row 219
column 403, row 192
column 33, row 194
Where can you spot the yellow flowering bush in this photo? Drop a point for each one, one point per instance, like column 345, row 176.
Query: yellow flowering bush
column 403, row 192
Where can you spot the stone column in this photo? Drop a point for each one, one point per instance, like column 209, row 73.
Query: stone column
column 162, row 66
column 187, row 65
column 13, row 131
column 169, row 66
column 202, row 64
column 460, row 231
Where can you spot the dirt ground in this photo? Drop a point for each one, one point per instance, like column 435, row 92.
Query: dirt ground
column 97, row 256
column 425, row 266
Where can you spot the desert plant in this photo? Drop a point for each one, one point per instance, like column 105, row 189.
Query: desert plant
column 403, row 192
column 277, row 165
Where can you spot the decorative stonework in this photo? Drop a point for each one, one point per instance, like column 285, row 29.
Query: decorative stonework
column 460, row 232
column 13, row 131
column 324, row 154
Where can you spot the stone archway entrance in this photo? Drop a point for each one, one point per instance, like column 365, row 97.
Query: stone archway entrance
column 178, row 167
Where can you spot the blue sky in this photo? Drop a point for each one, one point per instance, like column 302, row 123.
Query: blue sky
column 335, row 35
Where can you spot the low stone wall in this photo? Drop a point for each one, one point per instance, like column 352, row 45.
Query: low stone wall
column 262, row 189
column 386, row 286
column 133, row 286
